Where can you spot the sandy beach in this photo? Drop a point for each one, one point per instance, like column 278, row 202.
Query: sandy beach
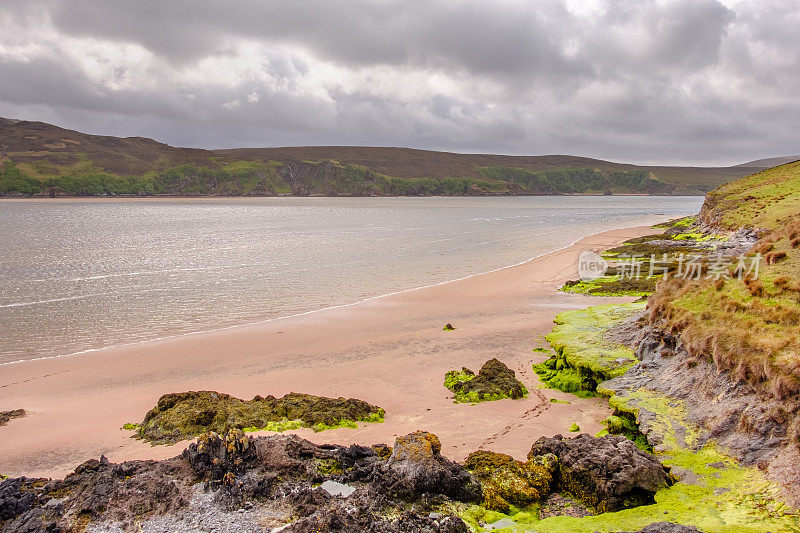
column 389, row 351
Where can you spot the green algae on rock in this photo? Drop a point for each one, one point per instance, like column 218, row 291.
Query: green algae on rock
column 622, row 423
column 714, row 493
column 613, row 285
column 179, row 416
column 584, row 357
column 494, row 381
column 507, row 482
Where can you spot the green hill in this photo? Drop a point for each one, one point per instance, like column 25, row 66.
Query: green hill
column 46, row 160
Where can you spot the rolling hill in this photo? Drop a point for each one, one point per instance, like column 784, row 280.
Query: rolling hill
column 43, row 159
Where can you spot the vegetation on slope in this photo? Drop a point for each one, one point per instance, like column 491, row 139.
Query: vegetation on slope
column 747, row 322
column 766, row 200
column 49, row 160
column 577, row 180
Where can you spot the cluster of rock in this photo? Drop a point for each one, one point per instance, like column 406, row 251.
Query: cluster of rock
column 494, row 381
column 233, row 482
column 179, row 416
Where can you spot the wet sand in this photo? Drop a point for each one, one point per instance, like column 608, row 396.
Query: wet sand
column 389, row 351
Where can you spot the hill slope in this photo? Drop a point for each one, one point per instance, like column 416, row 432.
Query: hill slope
column 747, row 322
column 49, row 160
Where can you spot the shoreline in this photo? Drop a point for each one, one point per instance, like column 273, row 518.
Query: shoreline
column 317, row 196
column 376, row 350
column 304, row 313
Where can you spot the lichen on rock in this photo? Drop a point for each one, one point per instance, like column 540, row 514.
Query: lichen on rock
column 508, row 482
column 494, row 381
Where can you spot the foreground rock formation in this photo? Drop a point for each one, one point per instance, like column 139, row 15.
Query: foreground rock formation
column 233, row 482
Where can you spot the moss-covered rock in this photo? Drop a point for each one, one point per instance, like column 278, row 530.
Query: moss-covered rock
column 417, row 468
column 584, row 356
column 179, row 416
column 494, row 381
column 508, row 482
column 607, row 474
column 622, row 423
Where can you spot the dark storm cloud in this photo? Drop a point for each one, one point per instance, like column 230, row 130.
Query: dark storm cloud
column 700, row 81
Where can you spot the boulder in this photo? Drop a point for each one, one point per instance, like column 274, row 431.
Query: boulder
column 494, row 381
column 607, row 474
column 416, row 468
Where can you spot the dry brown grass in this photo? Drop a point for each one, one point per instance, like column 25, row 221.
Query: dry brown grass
column 750, row 326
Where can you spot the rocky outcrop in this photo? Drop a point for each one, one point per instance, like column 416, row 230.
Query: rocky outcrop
column 608, row 473
column 416, row 469
column 508, row 482
column 494, row 381
column 752, row 426
column 180, row 416
column 232, row 482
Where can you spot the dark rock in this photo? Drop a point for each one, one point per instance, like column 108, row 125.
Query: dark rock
column 560, row 505
column 344, row 520
column 417, row 469
column 38, row 520
column 668, row 527
column 607, row 474
column 5, row 416
column 494, row 381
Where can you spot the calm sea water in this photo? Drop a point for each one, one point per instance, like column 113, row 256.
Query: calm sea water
column 80, row 275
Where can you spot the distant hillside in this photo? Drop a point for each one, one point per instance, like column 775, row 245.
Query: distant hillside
column 771, row 161
column 46, row 160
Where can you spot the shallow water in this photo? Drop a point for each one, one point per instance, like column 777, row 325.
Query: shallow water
column 79, row 275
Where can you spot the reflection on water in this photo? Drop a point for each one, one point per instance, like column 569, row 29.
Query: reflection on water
column 77, row 275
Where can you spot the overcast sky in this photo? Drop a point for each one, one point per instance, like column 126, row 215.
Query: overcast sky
column 685, row 81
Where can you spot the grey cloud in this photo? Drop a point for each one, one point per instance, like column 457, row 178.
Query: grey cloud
column 649, row 81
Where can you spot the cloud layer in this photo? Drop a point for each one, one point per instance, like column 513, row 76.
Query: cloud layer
column 650, row 81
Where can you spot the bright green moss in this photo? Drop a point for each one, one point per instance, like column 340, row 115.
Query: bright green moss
column 584, row 358
column 278, row 426
column 130, row 426
column 328, row 467
column 718, row 495
column 457, row 376
column 677, row 223
column 574, row 428
column 613, row 286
